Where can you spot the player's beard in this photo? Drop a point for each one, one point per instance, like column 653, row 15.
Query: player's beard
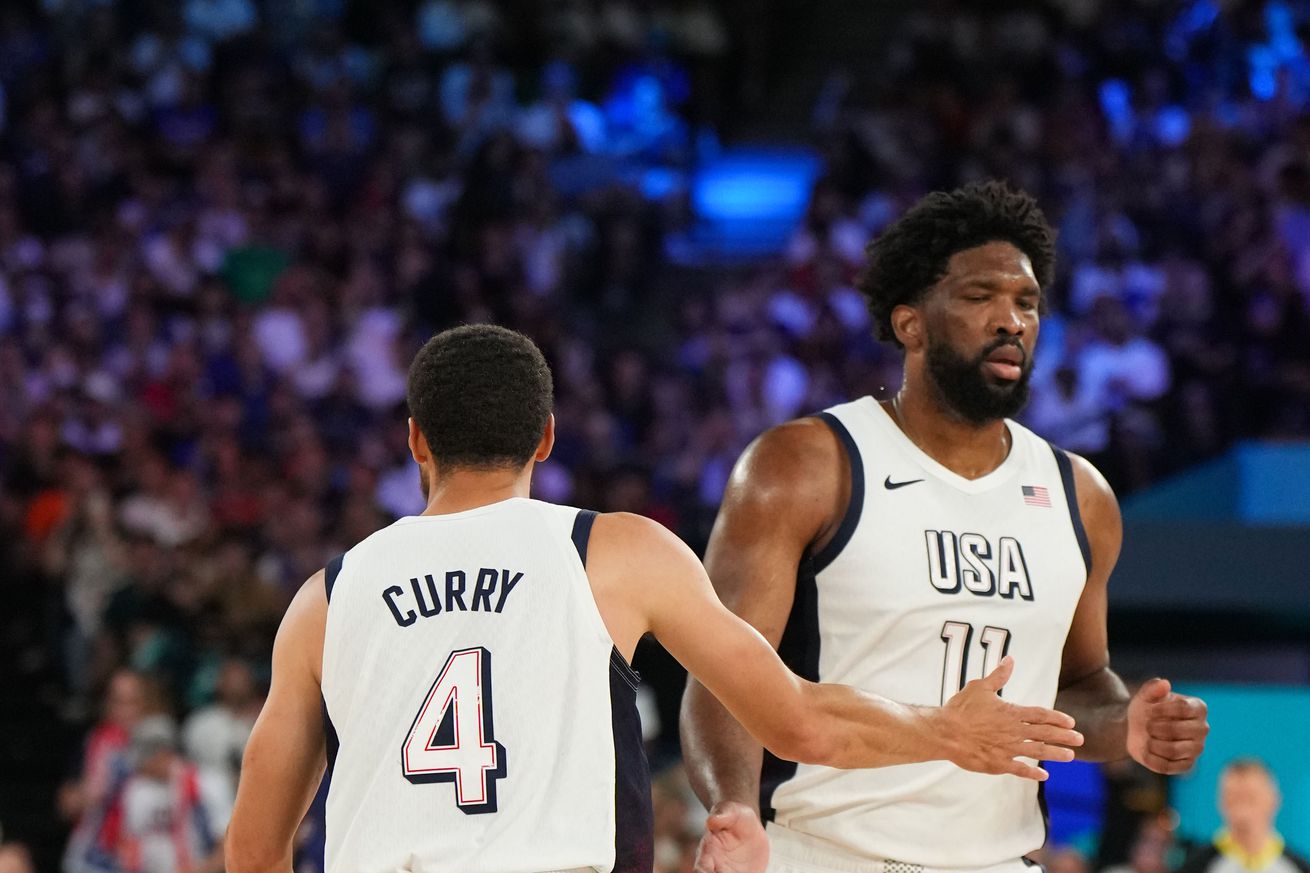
column 965, row 388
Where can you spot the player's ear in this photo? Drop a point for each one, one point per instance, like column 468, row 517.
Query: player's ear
column 547, row 440
column 907, row 324
column 418, row 444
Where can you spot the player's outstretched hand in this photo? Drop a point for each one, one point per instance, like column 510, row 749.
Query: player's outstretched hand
column 734, row 841
column 1166, row 731
column 989, row 733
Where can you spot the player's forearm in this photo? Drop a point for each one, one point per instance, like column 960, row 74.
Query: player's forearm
column 856, row 729
column 1099, row 704
column 243, row 856
column 259, row 836
column 723, row 760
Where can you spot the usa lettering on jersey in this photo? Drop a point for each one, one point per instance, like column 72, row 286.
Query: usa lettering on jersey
column 969, row 562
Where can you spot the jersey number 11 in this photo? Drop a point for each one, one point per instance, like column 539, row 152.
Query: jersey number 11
column 958, row 636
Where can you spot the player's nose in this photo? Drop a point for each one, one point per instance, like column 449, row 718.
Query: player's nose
column 1007, row 320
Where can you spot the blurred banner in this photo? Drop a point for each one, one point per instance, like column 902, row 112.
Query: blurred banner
column 1231, row 534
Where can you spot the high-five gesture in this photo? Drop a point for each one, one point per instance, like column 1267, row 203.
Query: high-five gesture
column 991, row 734
column 1166, row 731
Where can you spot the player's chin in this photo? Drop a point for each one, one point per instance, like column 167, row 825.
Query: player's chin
column 1000, row 385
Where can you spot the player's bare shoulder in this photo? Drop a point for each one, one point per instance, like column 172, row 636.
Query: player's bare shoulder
column 300, row 635
column 633, row 564
column 795, row 476
column 624, row 543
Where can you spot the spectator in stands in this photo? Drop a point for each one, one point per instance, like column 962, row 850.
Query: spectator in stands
column 1123, row 371
column 560, row 122
column 218, row 20
column 225, row 224
column 173, row 814
column 215, row 736
column 94, row 800
column 1248, row 803
column 1069, row 415
column 1149, row 854
column 86, row 551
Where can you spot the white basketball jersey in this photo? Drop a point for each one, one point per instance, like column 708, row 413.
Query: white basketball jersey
column 931, row 579
column 478, row 715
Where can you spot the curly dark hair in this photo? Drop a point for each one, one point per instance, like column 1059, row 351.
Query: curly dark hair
column 481, row 396
column 912, row 254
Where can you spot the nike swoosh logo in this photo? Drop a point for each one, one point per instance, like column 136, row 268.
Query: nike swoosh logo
column 892, row 486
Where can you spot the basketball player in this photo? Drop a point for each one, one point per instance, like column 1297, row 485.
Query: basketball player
column 465, row 672
column 906, row 548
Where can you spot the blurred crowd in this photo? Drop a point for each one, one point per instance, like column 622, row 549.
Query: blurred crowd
column 226, row 225
column 1170, row 144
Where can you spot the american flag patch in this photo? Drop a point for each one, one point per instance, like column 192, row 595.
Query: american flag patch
column 1036, row 495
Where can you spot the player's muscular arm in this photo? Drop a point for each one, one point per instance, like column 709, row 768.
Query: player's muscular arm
column 833, row 725
column 645, row 579
column 1089, row 690
column 285, row 756
column 788, row 492
column 1161, row 730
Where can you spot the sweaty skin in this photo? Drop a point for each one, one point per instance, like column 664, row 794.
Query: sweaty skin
column 789, row 491
column 644, row 580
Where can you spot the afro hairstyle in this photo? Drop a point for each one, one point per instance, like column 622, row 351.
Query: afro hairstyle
column 913, row 253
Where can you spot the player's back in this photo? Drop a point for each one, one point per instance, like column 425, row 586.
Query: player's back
column 479, row 717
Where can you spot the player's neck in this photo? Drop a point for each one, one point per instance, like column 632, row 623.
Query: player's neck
column 967, row 449
column 469, row 489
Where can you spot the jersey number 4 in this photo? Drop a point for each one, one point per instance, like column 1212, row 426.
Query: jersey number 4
column 958, row 637
column 452, row 738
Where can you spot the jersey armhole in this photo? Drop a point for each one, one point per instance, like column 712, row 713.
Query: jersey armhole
column 582, row 523
column 851, row 519
column 332, row 741
column 581, row 536
column 330, row 574
column 1071, row 498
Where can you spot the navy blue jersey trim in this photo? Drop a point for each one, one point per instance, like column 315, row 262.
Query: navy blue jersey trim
column 620, row 664
column 333, row 742
column 634, row 817
column 582, row 532
column 330, row 574
column 851, row 519
column 799, row 650
column 1071, row 497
